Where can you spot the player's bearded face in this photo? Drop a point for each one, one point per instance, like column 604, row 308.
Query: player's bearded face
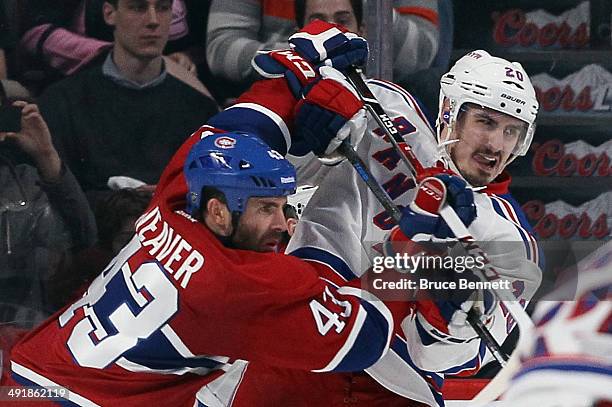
column 261, row 225
column 487, row 140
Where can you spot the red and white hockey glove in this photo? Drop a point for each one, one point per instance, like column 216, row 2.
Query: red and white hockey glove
column 421, row 216
column 444, row 315
column 329, row 113
column 285, row 64
column 323, row 43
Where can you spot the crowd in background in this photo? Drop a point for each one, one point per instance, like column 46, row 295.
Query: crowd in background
column 108, row 90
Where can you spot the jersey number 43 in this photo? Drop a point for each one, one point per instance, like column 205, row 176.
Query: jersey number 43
column 121, row 307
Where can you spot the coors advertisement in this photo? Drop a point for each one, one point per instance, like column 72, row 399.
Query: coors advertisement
column 553, row 158
column 539, row 29
column 561, row 221
column 588, row 90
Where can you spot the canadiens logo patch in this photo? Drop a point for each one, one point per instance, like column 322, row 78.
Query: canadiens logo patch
column 225, row 142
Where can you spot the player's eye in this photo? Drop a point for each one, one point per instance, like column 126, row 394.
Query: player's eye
column 267, row 209
column 163, row 6
column 512, row 132
column 316, row 17
column 485, row 121
column 140, row 7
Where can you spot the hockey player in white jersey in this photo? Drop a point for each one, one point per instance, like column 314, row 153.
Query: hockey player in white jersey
column 486, row 119
column 481, row 128
column 568, row 361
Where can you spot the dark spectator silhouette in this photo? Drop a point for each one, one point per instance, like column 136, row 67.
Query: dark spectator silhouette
column 115, row 217
column 43, row 216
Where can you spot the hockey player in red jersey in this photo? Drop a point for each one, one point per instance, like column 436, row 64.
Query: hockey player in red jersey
column 199, row 290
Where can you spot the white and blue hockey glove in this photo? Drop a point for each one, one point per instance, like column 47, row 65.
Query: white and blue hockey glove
column 323, row 43
column 443, row 314
column 329, row 112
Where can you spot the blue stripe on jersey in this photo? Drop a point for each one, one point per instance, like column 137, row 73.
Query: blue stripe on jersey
column 28, row 383
column 550, row 314
column 251, row 121
column 524, row 237
column 322, row 256
column 518, row 211
column 569, row 367
column 522, row 218
column 470, row 364
column 400, row 347
column 426, row 338
column 365, row 352
column 156, row 352
column 474, row 363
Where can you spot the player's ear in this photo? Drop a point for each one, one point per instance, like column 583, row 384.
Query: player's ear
column 218, row 217
column 291, row 224
column 108, row 12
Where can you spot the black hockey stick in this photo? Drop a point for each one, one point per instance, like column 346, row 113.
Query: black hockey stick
column 384, row 121
column 473, row 316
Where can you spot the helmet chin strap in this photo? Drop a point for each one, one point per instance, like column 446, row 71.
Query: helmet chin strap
column 446, row 118
column 443, row 144
column 448, row 161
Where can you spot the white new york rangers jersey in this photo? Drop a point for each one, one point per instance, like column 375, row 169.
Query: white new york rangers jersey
column 344, row 206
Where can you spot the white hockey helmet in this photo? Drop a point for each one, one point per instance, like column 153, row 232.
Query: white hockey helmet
column 301, row 197
column 491, row 82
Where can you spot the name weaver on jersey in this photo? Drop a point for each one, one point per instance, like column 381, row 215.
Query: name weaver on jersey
column 168, row 247
column 134, row 338
column 154, row 326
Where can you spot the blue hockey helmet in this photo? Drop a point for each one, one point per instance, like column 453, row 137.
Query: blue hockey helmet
column 240, row 165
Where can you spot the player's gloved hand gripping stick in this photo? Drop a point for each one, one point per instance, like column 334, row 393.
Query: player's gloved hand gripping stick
column 450, row 217
column 426, row 202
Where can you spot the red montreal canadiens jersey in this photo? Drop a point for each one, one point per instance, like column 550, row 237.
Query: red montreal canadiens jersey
column 176, row 309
